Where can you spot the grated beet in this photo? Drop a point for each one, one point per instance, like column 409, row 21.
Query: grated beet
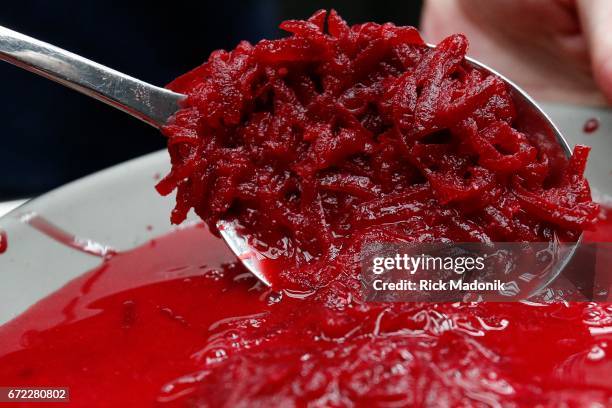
column 337, row 131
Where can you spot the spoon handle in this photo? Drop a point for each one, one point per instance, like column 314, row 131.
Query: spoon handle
column 151, row 104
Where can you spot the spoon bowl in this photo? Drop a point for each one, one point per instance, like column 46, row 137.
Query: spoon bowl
column 155, row 105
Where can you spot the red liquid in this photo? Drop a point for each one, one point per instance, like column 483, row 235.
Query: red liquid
column 591, row 125
column 172, row 323
column 3, row 242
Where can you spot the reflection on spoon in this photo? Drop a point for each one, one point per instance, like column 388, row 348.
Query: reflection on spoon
column 59, row 235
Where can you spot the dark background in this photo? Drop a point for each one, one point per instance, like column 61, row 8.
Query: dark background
column 51, row 135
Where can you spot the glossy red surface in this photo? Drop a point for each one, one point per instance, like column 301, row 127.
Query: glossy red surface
column 169, row 323
column 3, row 242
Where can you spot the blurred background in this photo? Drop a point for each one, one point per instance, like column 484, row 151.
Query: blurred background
column 51, row 135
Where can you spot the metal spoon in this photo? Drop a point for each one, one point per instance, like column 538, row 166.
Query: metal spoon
column 155, row 105
column 149, row 103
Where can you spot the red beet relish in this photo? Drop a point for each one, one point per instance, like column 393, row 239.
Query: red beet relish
column 340, row 132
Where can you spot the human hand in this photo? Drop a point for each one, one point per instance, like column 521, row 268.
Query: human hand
column 558, row 50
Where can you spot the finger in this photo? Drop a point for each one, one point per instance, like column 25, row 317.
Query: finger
column 595, row 17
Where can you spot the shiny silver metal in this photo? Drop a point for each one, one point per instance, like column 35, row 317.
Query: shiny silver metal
column 155, row 105
column 240, row 246
column 151, row 104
